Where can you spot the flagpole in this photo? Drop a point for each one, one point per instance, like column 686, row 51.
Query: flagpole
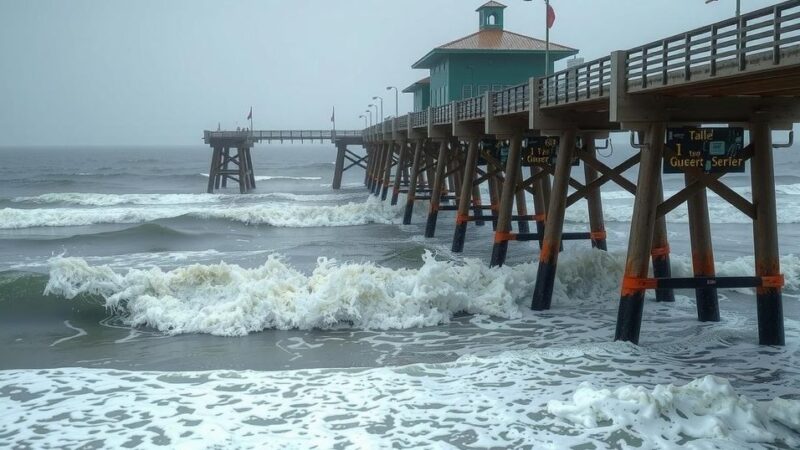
column 547, row 39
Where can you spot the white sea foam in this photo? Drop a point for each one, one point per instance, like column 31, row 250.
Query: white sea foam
column 229, row 300
column 277, row 214
column 226, row 299
column 707, row 409
column 91, row 199
column 278, row 177
column 507, row 401
column 618, row 207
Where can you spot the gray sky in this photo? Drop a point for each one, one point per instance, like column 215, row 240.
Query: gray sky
column 160, row 71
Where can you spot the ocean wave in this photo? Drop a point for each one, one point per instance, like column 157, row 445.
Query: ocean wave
column 499, row 402
column 278, row 214
column 226, row 299
column 278, row 177
column 92, row 199
column 707, row 408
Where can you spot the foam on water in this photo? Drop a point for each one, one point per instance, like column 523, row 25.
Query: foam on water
column 226, row 299
column 91, row 199
column 708, row 409
column 508, row 401
column 275, row 214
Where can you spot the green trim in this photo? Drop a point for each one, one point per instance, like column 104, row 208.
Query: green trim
column 429, row 60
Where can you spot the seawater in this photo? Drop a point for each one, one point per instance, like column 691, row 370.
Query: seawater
column 136, row 311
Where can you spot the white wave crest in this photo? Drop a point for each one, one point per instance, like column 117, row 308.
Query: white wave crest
column 279, row 215
column 226, row 299
column 707, row 408
column 229, row 300
column 91, row 199
column 278, row 177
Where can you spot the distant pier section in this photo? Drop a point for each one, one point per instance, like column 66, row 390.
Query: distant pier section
column 237, row 166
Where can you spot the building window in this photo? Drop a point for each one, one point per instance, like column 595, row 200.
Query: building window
column 466, row 91
column 491, row 20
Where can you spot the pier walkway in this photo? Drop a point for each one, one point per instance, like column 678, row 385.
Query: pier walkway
column 743, row 72
column 238, row 167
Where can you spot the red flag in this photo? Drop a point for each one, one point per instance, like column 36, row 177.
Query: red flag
column 551, row 16
column 250, row 115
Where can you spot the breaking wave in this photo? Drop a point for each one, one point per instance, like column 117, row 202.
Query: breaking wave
column 226, row 299
column 278, row 215
column 89, row 199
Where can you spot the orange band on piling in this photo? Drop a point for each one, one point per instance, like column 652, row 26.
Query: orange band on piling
column 660, row 251
column 462, row 219
column 598, row 235
column 495, row 207
column 634, row 284
column 539, row 217
column 501, row 236
column 773, row 281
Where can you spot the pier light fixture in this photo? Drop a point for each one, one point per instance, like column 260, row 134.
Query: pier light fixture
column 366, row 125
column 396, row 99
column 738, row 6
column 377, row 97
column 372, row 105
column 369, row 114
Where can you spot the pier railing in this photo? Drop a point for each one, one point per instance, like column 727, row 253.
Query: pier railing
column 587, row 81
column 471, row 108
column 705, row 52
column 512, row 100
column 759, row 39
column 281, row 135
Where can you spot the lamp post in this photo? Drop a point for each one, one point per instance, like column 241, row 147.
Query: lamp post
column 381, row 99
column 365, row 120
column 396, row 99
column 371, row 105
column 738, row 6
column 369, row 114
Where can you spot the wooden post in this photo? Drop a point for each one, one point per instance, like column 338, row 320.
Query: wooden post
column 539, row 204
column 502, row 233
column 702, row 253
column 414, row 181
column 242, row 170
column 436, row 190
column 494, row 200
column 220, row 162
column 477, row 205
column 386, row 176
column 662, row 268
column 593, row 198
column 465, row 200
column 430, row 166
column 338, row 171
column 402, row 160
column 629, row 316
column 250, row 170
column 554, row 224
column 378, row 169
column 224, row 160
column 765, row 233
column 370, row 163
column 212, row 172
column 522, row 207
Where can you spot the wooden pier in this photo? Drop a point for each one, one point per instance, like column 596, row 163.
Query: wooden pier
column 238, row 167
column 528, row 139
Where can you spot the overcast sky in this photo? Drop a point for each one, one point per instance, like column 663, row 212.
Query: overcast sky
column 160, row 71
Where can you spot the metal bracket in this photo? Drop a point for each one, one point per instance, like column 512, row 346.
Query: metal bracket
column 633, row 142
column 788, row 144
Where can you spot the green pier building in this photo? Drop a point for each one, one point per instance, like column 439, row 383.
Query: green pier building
column 488, row 60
